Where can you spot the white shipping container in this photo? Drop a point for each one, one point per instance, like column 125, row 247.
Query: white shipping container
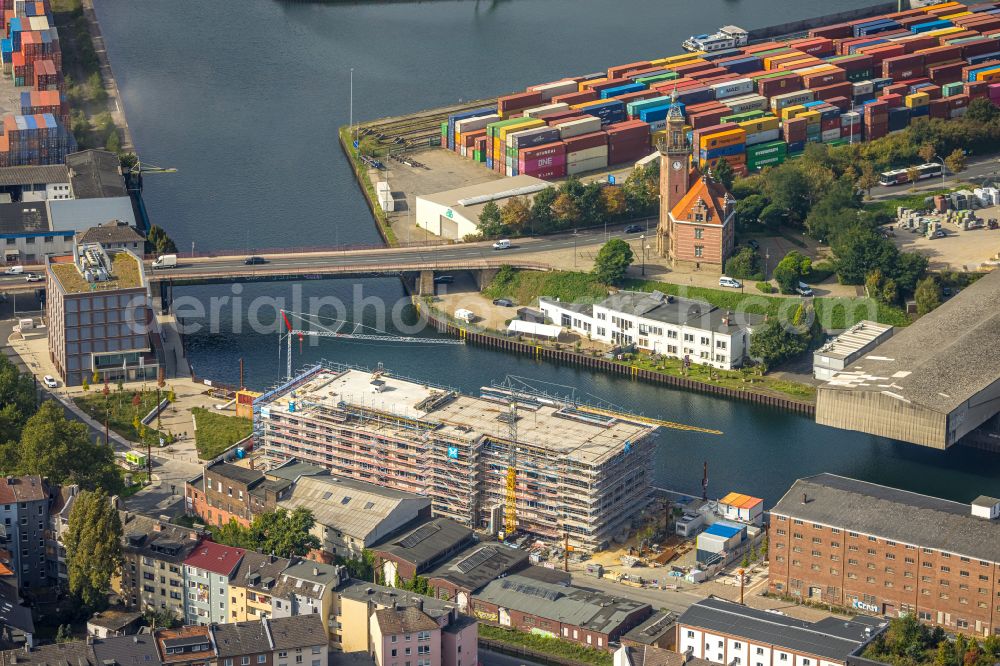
column 763, row 137
column 38, row 22
column 850, row 118
column 657, row 125
column 473, row 124
column 778, row 102
column 382, row 186
column 733, row 88
column 587, row 153
column 387, row 202
column 747, row 103
column 578, row 127
column 538, row 110
column 862, row 87
column 830, row 135
column 550, row 90
column 525, row 133
column 592, row 164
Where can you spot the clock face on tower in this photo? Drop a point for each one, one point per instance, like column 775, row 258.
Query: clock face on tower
column 677, row 165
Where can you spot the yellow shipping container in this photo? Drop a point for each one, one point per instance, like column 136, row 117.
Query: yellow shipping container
column 917, row 99
column 587, row 85
column 529, row 123
column 951, row 17
column 658, row 136
column 812, row 117
column 943, row 5
column 673, row 60
column 988, row 75
column 943, row 31
column 722, row 139
column 759, row 124
column 790, row 112
column 674, row 65
column 793, row 65
column 584, row 105
column 769, row 61
column 816, row 69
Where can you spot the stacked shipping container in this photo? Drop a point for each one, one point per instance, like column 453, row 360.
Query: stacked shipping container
column 751, row 107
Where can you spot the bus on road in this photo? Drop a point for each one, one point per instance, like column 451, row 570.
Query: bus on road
column 902, row 176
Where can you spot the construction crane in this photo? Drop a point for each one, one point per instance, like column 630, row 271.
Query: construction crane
column 510, row 498
column 333, row 330
column 140, row 169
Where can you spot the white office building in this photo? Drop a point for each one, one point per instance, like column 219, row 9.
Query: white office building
column 661, row 324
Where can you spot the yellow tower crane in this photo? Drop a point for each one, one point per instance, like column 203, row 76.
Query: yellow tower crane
column 510, row 505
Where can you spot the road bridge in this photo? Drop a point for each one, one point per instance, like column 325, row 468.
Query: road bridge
column 418, row 264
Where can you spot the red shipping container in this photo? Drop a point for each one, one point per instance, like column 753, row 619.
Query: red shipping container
column 707, row 118
column 576, row 98
column 702, row 107
column 896, row 89
column 829, row 123
column 880, row 52
column 976, row 89
column 903, row 67
column 759, row 48
column 564, row 116
column 978, row 47
column 627, row 127
column 917, row 42
column 712, row 73
column 957, row 101
column 993, row 90
column 545, row 150
column 610, row 83
column 892, row 100
column 686, row 69
column 618, row 71
column 842, row 103
column 835, row 90
column 639, row 72
column 820, row 79
column 896, row 16
column 836, row 31
column 779, row 85
column 585, row 141
column 519, row 101
column 945, row 73
column 541, row 163
column 637, row 96
column 938, row 108
column 940, row 54
column 817, row 46
column 550, row 173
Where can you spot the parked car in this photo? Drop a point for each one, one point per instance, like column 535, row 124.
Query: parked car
column 633, row 228
column 946, row 291
column 254, row 260
column 34, row 277
column 752, row 243
column 503, row 244
column 444, row 279
column 503, row 302
column 14, row 270
column 726, row 281
column 940, row 233
column 803, row 289
column 50, row 381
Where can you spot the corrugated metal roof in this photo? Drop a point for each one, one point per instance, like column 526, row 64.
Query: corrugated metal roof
column 33, row 175
column 722, row 530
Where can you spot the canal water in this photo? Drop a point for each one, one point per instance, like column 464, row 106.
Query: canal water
column 244, row 97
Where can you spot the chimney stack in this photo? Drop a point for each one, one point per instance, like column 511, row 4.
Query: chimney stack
column 805, row 498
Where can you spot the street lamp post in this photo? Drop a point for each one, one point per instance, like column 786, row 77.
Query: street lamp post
column 642, row 240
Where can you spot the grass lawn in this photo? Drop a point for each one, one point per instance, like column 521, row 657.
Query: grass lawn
column 527, row 286
column 123, row 411
column 217, row 432
column 138, row 482
column 553, row 646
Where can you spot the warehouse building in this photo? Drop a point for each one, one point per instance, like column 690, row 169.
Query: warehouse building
column 420, row 549
column 725, row 632
column 933, row 382
column 454, row 214
column 889, row 552
column 849, row 346
column 578, row 473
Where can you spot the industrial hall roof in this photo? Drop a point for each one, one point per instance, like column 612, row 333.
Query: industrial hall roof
column 941, row 360
column 576, row 606
column 833, row 640
column 890, row 513
column 475, row 567
column 95, row 174
column 427, row 543
column 353, row 507
column 47, row 174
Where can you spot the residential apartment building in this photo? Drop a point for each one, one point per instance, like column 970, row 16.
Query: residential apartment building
column 99, row 317
column 55, row 552
column 728, row 633
column 25, row 504
column 886, row 551
column 296, row 641
column 410, row 634
column 306, row 588
column 252, row 585
column 152, row 576
column 207, row 571
column 579, row 474
column 224, row 491
column 661, row 324
column 355, row 604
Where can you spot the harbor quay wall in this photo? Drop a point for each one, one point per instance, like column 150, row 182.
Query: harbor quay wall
column 804, row 25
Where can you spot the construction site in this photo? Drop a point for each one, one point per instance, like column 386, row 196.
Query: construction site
column 506, row 462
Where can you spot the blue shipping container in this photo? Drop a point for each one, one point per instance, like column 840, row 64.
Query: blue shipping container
column 735, row 149
column 489, row 110
column 622, row 90
column 743, row 65
column 986, row 57
column 930, row 25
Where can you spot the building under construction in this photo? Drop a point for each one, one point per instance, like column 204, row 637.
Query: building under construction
column 578, row 472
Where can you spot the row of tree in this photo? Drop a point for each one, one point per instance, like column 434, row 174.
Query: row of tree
column 573, row 205
column 281, row 532
column 908, row 642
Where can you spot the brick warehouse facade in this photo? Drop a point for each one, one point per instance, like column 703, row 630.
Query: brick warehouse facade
column 879, row 550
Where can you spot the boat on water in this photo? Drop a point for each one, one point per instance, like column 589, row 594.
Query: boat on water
column 727, row 37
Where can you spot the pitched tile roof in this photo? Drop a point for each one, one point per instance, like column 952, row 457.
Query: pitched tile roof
column 712, row 193
column 113, row 231
column 296, row 632
column 196, row 639
column 127, row 650
column 22, row 489
column 241, row 638
column 215, row 557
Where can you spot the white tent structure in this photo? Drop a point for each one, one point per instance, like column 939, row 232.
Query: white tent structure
column 516, row 326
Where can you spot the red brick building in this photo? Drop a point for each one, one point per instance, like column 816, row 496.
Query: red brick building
column 881, row 550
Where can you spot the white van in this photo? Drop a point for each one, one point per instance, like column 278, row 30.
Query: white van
column 726, row 281
column 503, row 244
column 14, row 270
column 468, row 316
column 165, row 261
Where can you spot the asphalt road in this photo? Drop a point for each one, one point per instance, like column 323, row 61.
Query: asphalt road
column 672, row 600
column 490, row 658
column 978, row 168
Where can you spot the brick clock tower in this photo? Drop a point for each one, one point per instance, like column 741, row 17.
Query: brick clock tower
column 675, row 175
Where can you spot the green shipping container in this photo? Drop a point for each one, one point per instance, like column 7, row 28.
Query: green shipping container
column 757, row 165
column 861, row 75
column 766, row 150
column 444, row 129
column 842, row 141
column 949, row 89
column 742, row 117
column 669, row 76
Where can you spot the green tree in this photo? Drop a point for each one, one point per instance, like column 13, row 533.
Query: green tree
column 772, row 216
column 981, row 111
column 859, row 250
column 282, row 532
column 515, row 215
column 748, row 211
column 93, row 547
column 927, row 152
column 542, row 218
column 234, row 534
column 913, row 175
column 17, row 400
column 790, row 271
column 745, row 264
column 54, row 447
column 641, row 190
column 566, row 210
column 723, row 172
column 490, row 225
column 955, row 160
column 161, row 619
column 95, row 87
column 788, row 188
column 928, row 295
column 868, row 178
column 774, row 342
column 613, row 261
column 613, row 201
column 113, row 142
column 909, row 268
column 157, row 241
column 835, row 211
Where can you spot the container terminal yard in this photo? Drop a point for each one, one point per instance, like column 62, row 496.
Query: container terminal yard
column 753, row 105
column 502, row 461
